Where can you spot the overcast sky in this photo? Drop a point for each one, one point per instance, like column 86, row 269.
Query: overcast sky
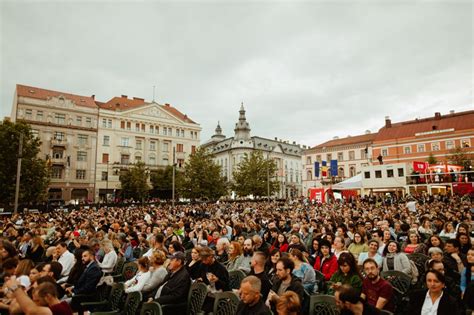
column 305, row 71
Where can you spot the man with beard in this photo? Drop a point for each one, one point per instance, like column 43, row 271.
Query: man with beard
column 247, row 253
column 375, row 290
column 286, row 282
column 349, row 302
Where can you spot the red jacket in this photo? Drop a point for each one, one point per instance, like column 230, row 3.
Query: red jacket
column 283, row 248
column 329, row 266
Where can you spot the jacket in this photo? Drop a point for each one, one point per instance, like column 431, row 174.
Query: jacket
column 175, row 287
column 447, row 304
column 328, row 268
column 88, row 280
column 295, row 286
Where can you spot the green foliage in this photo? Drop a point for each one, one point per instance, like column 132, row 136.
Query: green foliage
column 458, row 157
column 162, row 181
column 34, row 178
column 134, row 182
column 254, row 174
column 431, row 159
column 202, row 177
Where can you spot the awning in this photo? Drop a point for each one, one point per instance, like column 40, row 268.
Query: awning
column 350, row 183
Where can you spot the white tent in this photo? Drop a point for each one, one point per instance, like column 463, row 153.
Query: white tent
column 350, row 183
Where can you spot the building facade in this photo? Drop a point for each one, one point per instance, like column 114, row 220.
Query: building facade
column 417, row 139
column 89, row 143
column 352, row 154
column 228, row 152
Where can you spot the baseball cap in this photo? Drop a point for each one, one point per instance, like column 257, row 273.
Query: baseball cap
column 178, row 255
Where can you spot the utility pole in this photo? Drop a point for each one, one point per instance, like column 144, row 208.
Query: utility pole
column 268, row 176
column 18, row 173
column 107, row 185
column 174, row 174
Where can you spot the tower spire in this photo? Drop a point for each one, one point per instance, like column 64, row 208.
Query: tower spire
column 242, row 127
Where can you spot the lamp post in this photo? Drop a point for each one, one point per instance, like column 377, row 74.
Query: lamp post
column 174, row 175
column 18, row 173
column 107, row 185
column 268, row 176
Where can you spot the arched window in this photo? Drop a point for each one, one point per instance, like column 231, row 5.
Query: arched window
column 309, row 175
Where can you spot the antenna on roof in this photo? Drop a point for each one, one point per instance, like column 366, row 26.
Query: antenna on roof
column 153, row 93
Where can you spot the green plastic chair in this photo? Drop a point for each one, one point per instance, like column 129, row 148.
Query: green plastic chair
column 235, row 278
column 118, row 266
column 323, row 305
column 152, row 308
column 128, row 271
column 225, row 303
column 400, row 281
column 197, row 295
column 109, row 304
column 130, row 307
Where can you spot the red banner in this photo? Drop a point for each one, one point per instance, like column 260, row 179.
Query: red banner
column 420, row 167
column 317, row 194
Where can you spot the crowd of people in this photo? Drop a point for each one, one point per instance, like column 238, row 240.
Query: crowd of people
column 50, row 262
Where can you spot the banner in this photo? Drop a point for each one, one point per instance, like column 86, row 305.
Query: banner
column 316, row 169
column 324, row 169
column 420, row 167
column 317, row 194
column 334, row 168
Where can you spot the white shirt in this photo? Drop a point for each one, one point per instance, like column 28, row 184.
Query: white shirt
column 67, row 260
column 108, row 263
column 136, row 283
column 430, row 308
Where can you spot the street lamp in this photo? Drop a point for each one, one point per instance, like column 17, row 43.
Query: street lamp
column 107, row 185
column 18, row 173
column 268, row 176
column 174, row 179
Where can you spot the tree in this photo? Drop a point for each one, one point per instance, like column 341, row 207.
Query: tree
column 431, row 159
column 134, row 182
column 162, row 182
column 202, row 177
column 34, row 179
column 458, row 157
column 254, row 175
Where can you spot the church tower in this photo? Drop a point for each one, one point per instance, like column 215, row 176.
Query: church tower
column 242, row 128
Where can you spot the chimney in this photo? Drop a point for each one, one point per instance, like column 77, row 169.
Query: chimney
column 367, row 132
column 124, row 96
column 167, row 105
column 451, row 111
column 294, row 142
column 388, row 122
column 437, row 115
column 93, row 97
column 276, row 139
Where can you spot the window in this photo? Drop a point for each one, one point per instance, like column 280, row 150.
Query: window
column 177, row 132
column 193, row 150
column 81, row 156
column 125, row 159
column 59, row 136
column 407, row 150
column 341, row 172
column 137, row 127
column 435, row 146
column 465, row 143
column 129, row 125
column 378, row 174
column 106, row 141
column 138, row 158
column 449, row 145
column 179, row 147
column 57, row 154
column 39, row 115
column 165, row 160
column 308, row 160
column 384, row 152
column 82, row 139
column 28, row 113
column 420, row 148
column 351, row 155
column 124, row 142
column 318, row 158
column 366, row 174
column 309, row 175
column 389, row 173
column 182, row 133
column 165, row 131
column 80, row 174
column 157, row 130
column 138, row 144
column 152, row 145
column 104, row 122
column 109, row 123
column 35, row 133
column 152, row 129
column 340, row 156
column 352, row 171
column 152, row 160
column 170, row 131
column 79, row 121
column 400, row 172
column 329, row 157
column 363, row 153
column 105, row 176
column 122, row 124
column 180, row 162
column 88, row 122
column 60, row 119
column 143, row 127
column 165, row 147
column 105, row 158
column 57, row 172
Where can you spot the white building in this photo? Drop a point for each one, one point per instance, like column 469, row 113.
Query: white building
column 352, row 154
column 228, row 152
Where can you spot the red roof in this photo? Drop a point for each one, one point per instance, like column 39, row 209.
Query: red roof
column 346, row 141
column 172, row 110
column 42, row 94
column 122, row 103
column 408, row 129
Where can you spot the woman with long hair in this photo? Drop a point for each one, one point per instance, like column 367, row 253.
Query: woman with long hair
column 347, row 273
column 448, row 230
column 303, row 270
column 464, row 241
column 358, row 245
column 193, row 266
column 434, row 241
column 393, row 259
column 314, row 251
column 373, row 253
column 281, row 243
column 327, row 262
column 36, row 251
column 76, row 270
column 22, row 272
column 271, row 263
column 414, row 244
column 467, row 280
column 236, row 258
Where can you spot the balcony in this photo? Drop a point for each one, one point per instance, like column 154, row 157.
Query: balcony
column 59, row 161
column 59, row 143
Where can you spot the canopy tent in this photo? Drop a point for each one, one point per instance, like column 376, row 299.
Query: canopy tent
column 350, row 183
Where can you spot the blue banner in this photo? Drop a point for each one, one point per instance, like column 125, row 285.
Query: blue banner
column 333, row 167
column 316, row 169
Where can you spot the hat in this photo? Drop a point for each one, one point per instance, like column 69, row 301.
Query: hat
column 324, row 242
column 178, row 255
column 434, row 250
